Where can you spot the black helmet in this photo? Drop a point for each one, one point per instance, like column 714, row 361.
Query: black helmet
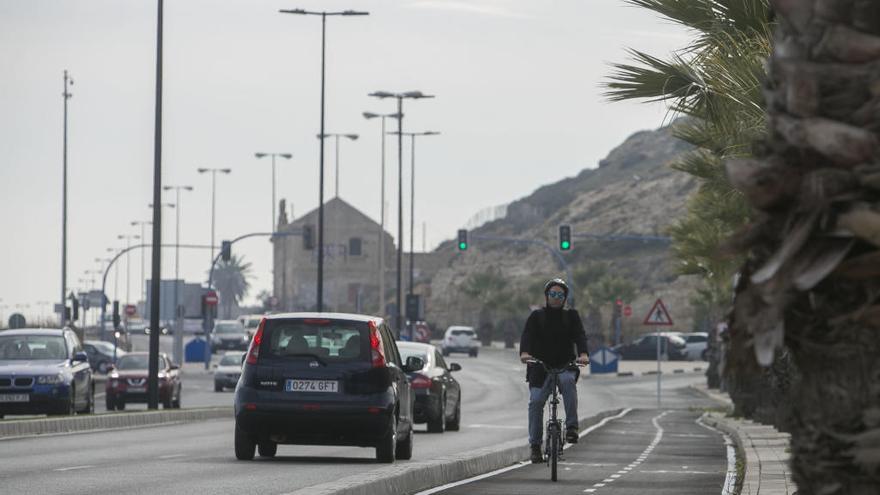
column 559, row 282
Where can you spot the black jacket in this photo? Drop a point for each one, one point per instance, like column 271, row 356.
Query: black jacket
column 551, row 335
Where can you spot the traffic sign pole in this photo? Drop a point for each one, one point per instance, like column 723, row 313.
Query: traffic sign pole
column 658, row 316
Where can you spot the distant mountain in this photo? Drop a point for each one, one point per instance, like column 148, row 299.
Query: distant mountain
column 632, row 191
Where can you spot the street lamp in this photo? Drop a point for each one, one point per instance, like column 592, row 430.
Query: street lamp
column 66, row 95
column 178, row 329
column 213, row 172
column 286, row 156
column 412, row 200
column 143, row 224
column 368, row 116
column 115, row 276
column 323, row 14
column 415, row 95
column 353, row 137
column 128, row 239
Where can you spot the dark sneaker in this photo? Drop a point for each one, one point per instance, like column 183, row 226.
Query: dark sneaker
column 571, row 435
column 537, row 456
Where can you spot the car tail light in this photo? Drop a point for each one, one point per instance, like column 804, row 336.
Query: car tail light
column 254, row 351
column 420, row 381
column 376, row 350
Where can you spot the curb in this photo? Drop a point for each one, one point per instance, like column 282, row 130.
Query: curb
column 414, row 477
column 50, row 426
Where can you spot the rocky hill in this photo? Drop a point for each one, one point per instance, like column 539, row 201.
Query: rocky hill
column 632, row 191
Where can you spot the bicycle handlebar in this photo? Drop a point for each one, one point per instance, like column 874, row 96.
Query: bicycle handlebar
column 555, row 370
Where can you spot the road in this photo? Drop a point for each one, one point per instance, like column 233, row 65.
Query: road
column 198, row 457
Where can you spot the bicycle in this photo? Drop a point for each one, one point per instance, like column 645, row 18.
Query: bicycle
column 553, row 438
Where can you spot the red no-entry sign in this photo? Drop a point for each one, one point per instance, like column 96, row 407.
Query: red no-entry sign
column 130, row 310
column 627, row 311
column 211, row 298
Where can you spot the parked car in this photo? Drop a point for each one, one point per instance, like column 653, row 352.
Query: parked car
column 162, row 331
column 437, row 394
column 44, row 371
column 102, row 354
column 250, row 323
column 127, row 381
column 228, row 370
column 672, row 347
column 696, row 345
column 324, row 379
column 229, row 334
column 460, row 339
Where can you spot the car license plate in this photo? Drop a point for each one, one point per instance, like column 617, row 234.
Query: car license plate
column 15, row 398
column 137, row 390
column 311, row 386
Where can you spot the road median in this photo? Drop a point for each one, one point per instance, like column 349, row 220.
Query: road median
column 415, row 476
column 90, row 422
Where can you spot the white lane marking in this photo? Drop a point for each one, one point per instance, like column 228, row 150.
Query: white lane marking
column 496, row 427
column 665, row 471
column 521, row 464
column 608, row 480
column 599, row 485
column 616, row 475
column 729, row 487
column 589, row 490
column 74, row 468
column 171, row 456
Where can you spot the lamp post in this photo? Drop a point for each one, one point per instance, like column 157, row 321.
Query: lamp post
column 66, row 95
column 323, row 14
column 286, row 156
column 178, row 329
column 128, row 239
column 336, row 136
column 213, row 172
column 142, row 224
column 371, row 115
column 400, row 96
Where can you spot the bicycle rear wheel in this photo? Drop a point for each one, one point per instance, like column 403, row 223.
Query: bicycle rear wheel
column 554, row 453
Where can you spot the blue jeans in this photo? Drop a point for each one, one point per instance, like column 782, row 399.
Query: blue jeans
column 538, row 397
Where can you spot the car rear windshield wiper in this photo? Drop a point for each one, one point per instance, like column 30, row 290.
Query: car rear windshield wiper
column 303, row 354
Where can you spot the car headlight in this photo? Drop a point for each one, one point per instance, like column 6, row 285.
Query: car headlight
column 161, row 375
column 50, row 379
column 114, row 375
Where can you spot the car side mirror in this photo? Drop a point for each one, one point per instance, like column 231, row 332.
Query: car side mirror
column 414, row 363
column 80, row 356
column 174, row 367
column 454, row 367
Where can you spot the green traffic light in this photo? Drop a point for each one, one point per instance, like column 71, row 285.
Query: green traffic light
column 462, row 246
column 565, row 245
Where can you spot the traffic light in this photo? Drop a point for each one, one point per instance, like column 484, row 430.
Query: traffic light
column 226, row 250
column 462, row 239
column 308, row 238
column 564, row 237
column 75, row 303
column 116, row 319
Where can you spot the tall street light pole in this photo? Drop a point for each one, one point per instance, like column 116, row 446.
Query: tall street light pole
column 143, row 288
column 371, row 115
column 178, row 329
column 353, row 137
column 128, row 239
column 323, row 14
column 399, row 97
column 286, row 156
column 412, row 202
column 66, row 95
column 213, row 200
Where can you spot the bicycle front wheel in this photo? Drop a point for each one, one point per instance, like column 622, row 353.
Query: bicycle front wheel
column 554, row 453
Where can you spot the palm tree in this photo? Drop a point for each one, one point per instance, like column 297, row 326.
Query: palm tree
column 231, row 278
column 813, row 275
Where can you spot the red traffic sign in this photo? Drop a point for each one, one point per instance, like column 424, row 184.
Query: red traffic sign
column 658, row 315
column 130, row 310
column 211, row 298
column 627, row 311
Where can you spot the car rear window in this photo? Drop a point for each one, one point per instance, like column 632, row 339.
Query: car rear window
column 231, row 360
column 26, row 347
column 696, row 338
column 329, row 340
column 469, row 333
column 229, row 328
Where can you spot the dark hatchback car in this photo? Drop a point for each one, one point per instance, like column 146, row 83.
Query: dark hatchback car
column 44, row 371
column 127, row 381
column 437, row 393
column 672, row 347
column 324, row 379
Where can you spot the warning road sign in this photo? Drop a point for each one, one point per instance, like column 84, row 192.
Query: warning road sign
column 658, row 315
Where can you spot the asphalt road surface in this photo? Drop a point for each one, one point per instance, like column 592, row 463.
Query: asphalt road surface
column 198, row 457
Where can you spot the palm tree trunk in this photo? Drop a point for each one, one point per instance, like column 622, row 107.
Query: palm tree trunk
column 815, row 238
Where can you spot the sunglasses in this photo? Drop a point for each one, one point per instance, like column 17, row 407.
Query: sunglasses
column 556, row 294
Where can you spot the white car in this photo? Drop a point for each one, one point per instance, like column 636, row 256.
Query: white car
column 460, row 339
column 696, row 344
column 250, row 323
column 228, row 370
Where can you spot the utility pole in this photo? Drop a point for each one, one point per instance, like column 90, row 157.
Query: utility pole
column 66, row 95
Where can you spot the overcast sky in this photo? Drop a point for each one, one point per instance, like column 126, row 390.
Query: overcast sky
column 518, row 102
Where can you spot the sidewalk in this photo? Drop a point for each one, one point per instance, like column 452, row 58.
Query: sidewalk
column 763, row 450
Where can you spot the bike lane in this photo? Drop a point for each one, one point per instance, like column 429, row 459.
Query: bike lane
column 644, row 451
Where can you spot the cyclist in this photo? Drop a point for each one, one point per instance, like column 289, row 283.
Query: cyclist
column 551, row 334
